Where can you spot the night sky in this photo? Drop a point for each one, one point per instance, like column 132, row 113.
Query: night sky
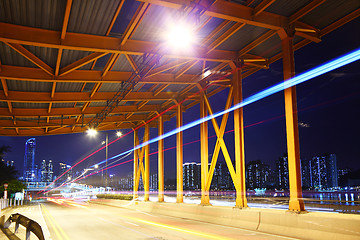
column 329, row 110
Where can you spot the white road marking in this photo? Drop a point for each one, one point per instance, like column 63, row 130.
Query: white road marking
column 132, row 223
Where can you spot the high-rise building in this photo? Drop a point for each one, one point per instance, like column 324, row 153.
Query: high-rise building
column 154, row 181
column 257, row 174
column 191, row 176
column 46, row 171
column 305, row 173
column 64, row 168
column 282, row 173
column 50, row 168
column 323, row 171
column 29, row 161
column 221, row 178
column 9, row 163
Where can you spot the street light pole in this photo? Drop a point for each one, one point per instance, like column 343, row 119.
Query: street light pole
column 106, row 158
column 5, row 192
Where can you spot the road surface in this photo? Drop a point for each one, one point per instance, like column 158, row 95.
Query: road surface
column 67, row 219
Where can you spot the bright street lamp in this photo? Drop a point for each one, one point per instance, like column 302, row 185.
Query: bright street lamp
column 118, row 133
column 91, row 132
column 179, row 36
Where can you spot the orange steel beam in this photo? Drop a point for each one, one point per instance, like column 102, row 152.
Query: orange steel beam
column 58, row 61
column 43, row 97
column 232, row 12
column 314, row 37
column 81, row 62
column 160, row 89
column 138, row 16
column 262, row 6
column 136, row 165
column 257, row 42
column 66, row 19
column 166, row 67
column 146, row 176
column 95, row 89
column 241, row 200
column 53, row 90
column 131, row 62
column 49, row 109
column 110, row 26
column 231, row 31
column 179, row 156
column 161, row 160
column 85, row 42
column 110, row 63
column 10, row 107
column 121, row 3
column 215, row 31
column 31, row 57
column 35, row 74
column 184, row 69
column 5, row 87
column 63, row 130
column 302, row 12
column 296, row 203
column 70, row 122
column 351, row 16
column 249, row 2
column 205, row 199
column 220, row 143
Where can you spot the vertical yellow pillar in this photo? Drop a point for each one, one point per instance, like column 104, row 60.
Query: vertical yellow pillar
column 179, row 156
column 161, row 160
column 296, row 202
column 146, row 167
column 205, row 199
column 135, row 186
column 241, row 200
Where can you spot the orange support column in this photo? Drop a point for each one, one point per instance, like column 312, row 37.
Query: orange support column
column 205, row 199
column 135, row 180
column 241, row 200
column 296, row 202
column 179, row 156
column 146, row 167
column 161, row 160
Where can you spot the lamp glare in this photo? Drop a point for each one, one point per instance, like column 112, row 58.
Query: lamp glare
column 91, row 132
column 179, row 37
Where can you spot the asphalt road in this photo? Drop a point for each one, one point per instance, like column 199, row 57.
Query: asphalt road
column 66, row 219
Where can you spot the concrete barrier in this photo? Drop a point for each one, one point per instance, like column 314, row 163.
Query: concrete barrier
column 311, row 225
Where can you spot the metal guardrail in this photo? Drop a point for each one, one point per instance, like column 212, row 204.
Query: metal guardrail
column 18, row 219
column 11, row 202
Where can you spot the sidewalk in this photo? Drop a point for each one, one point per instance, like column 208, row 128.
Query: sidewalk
column 32, row 211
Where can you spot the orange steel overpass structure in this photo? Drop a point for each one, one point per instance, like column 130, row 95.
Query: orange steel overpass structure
column 62, row 63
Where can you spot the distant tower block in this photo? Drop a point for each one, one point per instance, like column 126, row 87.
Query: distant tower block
column 29, row 160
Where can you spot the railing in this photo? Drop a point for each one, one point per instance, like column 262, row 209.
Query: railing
column 18, row 219
column 4, row 203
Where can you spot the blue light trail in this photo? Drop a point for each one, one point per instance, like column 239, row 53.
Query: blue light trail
column 327, row 67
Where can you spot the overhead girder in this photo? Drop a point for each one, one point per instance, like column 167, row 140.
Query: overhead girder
column 71, row 121
column 63, row 97
column 231, row 11
column 63, row 130
column 85, row 42
column 36, row 74
column 75, row 111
